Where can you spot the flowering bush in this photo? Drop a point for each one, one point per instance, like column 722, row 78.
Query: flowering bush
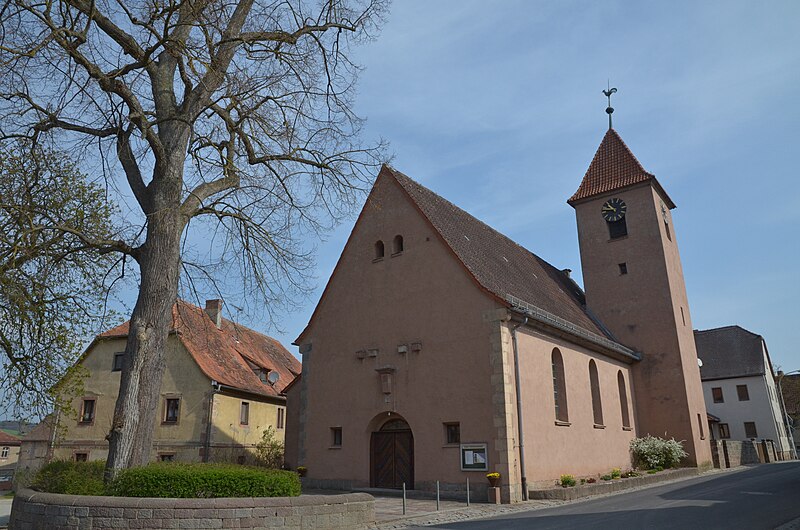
column 567, row 481
column 651, row 452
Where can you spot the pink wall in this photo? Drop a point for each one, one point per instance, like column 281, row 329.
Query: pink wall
column 578, row 449
column 422, row 295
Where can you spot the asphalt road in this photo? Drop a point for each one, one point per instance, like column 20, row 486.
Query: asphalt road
column 758, row 497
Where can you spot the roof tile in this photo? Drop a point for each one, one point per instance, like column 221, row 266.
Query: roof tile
column 223, row 354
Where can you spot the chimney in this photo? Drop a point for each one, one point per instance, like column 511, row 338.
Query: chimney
column 214, row 310
column 567, row 272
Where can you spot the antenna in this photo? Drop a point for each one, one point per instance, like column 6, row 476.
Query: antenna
column 609, row 109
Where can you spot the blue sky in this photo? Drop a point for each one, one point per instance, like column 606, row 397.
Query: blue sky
column 500, row 110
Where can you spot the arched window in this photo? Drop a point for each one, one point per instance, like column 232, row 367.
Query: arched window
column 623, row 400
column 597, row 404
column 397, row 246
column 559, row 387
column 379, row 249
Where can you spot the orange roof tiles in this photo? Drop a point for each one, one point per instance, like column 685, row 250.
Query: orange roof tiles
column 225, row 355
column 613, row 167
column 9, row 439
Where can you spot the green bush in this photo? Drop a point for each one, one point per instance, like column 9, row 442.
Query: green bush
column 179, row 480
column 605, row 477
column 616, row 473
column 567, row 481
column 71, row 478
column 651, row 452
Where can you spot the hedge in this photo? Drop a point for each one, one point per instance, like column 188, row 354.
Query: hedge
column 171, row 480
column 71, row 478
column 177, row 480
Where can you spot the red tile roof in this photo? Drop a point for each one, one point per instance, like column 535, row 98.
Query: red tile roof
column 225, row 355
column 613, row 167
column 497, row 263
column 9, row 439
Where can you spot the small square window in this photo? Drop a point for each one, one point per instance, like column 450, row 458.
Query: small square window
column 452, row 433
column 750, row 429
column 119, row 362
column 244, row 413
column 336, row 436
column 166, row 457
column 623, row 268
column 742, row 392
column 281, row 416
column 724, row 431
column 716, row 392
column 240, row 460
column 81, row 457
column 172, row 408
column 87, row 411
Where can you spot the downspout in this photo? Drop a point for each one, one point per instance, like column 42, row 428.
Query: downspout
column 210, row 424
column 520, row 430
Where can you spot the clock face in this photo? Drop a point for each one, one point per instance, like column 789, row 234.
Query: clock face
column 613, row 210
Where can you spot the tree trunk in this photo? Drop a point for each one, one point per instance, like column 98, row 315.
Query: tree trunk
column 135, row 414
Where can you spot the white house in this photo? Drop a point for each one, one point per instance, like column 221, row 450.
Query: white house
column 739, row 386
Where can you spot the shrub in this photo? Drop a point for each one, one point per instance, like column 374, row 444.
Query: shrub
column 71, row 478
column 652, row 471
column 591, row 480
column 204, row 481
column 630, row 474
column 270, row 450
column 616, row 473
column 567, row 481
column 605, row 477
column 651, row 452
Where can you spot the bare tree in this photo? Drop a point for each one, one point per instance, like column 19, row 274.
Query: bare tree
column 53, row 273
column 238, row 112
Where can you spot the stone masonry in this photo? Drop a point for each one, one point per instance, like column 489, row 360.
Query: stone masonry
column 39, row 511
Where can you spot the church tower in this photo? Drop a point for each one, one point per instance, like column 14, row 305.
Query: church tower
column 634, row 285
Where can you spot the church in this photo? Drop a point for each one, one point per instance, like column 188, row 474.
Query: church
column 441, row 350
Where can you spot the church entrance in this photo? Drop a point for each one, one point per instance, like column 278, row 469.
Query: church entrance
column 392, row 456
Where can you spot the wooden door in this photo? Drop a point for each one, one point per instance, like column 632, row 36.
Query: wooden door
column 392, row 457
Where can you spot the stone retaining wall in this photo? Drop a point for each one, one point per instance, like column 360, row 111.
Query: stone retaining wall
column 600, row 488
column 33, row 510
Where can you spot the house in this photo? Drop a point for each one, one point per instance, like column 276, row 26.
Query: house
column 739, row 387
column 221, row 388
column 441, row 350
column 9, row 455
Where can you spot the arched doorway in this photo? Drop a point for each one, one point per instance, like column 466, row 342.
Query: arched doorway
column 392, row 456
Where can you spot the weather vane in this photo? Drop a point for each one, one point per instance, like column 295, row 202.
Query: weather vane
column 609, row 109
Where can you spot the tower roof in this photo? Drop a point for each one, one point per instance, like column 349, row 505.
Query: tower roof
column 614, row 167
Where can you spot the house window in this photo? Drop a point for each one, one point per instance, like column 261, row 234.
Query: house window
column 166, row 457
column 741, row 391
column 119, row 361
column 597, row 404
column 81, row 457
column 281, row 413
column 244, row 413
column 683, row 317
column 623, row 268
column 172, row 408
column 87, row 411
column 617, row 229
column 452, row 433
column 716, row 393
column 397, row 244
column 750, row 429
column 724, row 431
column 379, row 251
column 336, row 436
column 240, row 460
column 4, row 452
column 559, row 387
column 623, row 400
column 700, row 424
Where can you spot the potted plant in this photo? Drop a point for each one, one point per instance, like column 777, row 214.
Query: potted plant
column 302, row 470
column 494, row 479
